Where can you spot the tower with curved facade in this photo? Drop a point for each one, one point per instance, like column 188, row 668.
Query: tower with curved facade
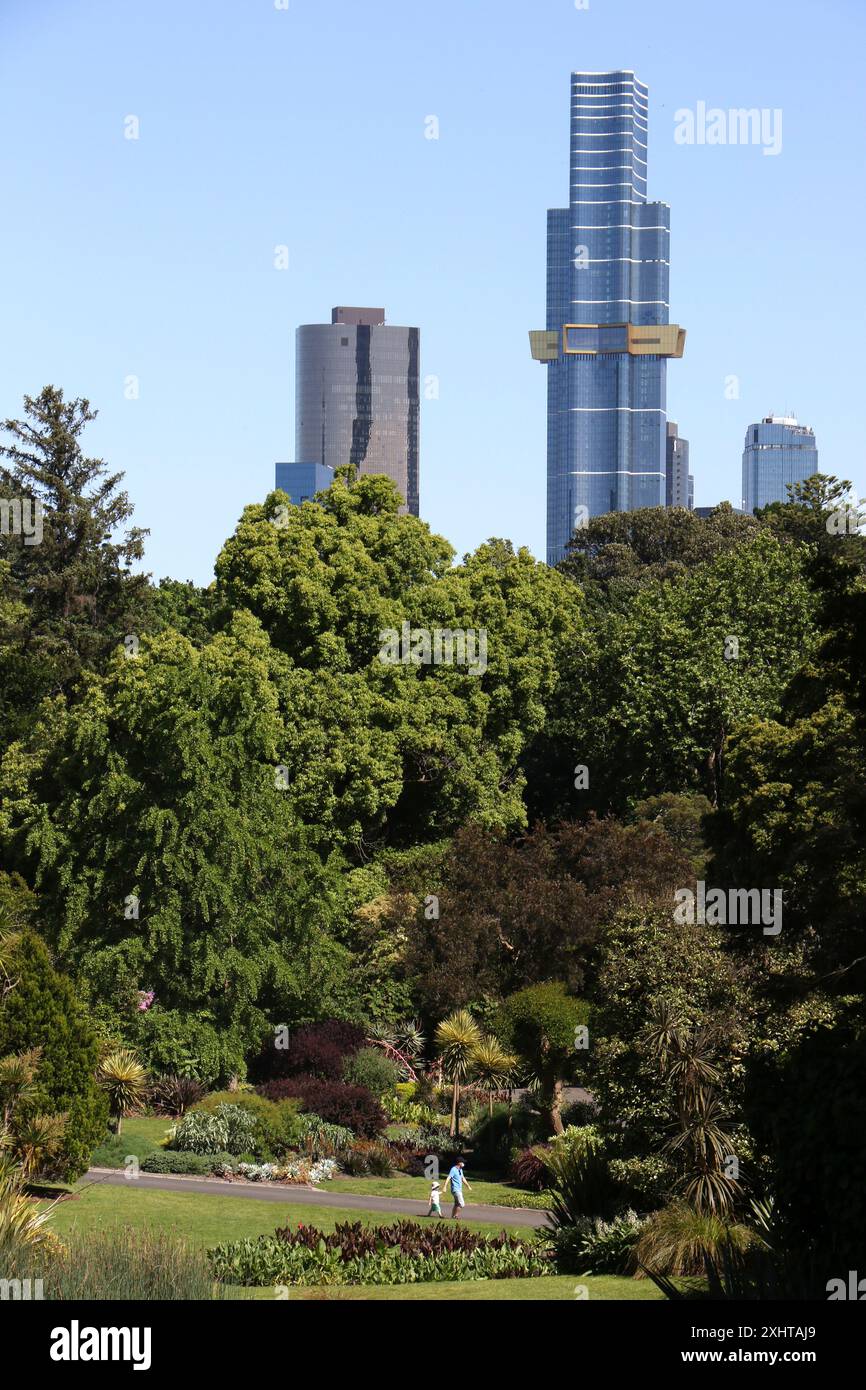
column 608, row 336
column 357, row 396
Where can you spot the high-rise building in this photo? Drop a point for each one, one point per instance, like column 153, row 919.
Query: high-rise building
column 303, row 480
column 357, row 396
column 679, row 484
column 607, row 338
column 778, row 451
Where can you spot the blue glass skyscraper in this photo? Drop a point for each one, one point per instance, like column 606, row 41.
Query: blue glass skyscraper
column 778, row 451
column 608, row 337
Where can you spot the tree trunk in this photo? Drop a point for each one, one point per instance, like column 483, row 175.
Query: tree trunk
column 119, row 1123
column 455, row 1111
column 554, row 1106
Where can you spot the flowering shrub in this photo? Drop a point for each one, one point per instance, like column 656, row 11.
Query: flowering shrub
column 298, row 1170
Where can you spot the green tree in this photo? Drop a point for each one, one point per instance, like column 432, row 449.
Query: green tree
column 68, row 599
column 542, row 1026
column 155, row 818
column 41, row 1011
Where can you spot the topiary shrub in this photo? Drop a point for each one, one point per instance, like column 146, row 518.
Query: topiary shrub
column 169, row 1161
column 41, row 1010
column 334, row 1101
column 369, row 1067
column 317, row 1049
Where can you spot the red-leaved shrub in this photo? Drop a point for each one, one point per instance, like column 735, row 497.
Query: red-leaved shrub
column 317, row 1049
column 334, row 1101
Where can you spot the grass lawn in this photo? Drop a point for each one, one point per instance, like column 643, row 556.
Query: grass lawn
column 419, row 1189
column 140, row 1136
column 206, row 1221
column 555, row 1288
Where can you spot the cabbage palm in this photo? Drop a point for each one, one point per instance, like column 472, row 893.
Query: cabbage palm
column 457, row 1037
column 36, row 1139
column 17, row 1080
column 493, row 1065
column 123, row 1077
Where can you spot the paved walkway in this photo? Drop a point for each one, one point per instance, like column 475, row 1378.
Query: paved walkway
column 312, row 1196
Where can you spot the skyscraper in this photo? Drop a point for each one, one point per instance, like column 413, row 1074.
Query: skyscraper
column 778, row 451
column 357, row 396
column 679, row 484
column 607, row 338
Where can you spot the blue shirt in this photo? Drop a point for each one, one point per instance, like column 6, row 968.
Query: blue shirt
column 455, row 1177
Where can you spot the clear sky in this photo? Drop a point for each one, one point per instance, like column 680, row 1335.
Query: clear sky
column 305, row 127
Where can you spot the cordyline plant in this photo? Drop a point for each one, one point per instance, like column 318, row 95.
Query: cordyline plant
column 124, row 1079
column 353, row 1240
column 686, row 1061
column 457, row 1038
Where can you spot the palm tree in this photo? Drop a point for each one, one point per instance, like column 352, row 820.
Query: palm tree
column 493, row 1066
column 457, row 1037
column 124, row 1078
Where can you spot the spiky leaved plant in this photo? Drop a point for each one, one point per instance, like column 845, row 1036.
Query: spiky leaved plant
column 457, row 1037
column 124, row 1079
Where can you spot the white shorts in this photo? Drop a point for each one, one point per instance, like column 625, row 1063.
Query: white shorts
column 458, row 1198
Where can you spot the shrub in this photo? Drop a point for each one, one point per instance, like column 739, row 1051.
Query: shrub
column 643, row 1182
column 369, row 1067
column 41, row 1010
column 495, row 1136
column 172, row 1161
column 229, row 1128
column 278, row 1125
column 174, row 1095
column 578, row 1176
column 597, row 1247
column 407, row 1112
column 401, row 1253
column 677, row 1239
column 317, row 1049
column 323, row 1140
column 366, row 1158
column 529, row 1170
column 334, row 1101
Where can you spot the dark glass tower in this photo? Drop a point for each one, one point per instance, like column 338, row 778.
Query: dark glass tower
column 608, row 337
column 778, row 451
column 679, row 485
column 357, row 396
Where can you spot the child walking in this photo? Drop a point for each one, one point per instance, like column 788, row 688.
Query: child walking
column 435, row 1208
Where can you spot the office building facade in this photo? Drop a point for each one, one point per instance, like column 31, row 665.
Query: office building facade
column 777, row 451
column 679, row 484
column 357, row 397
column 608, row 336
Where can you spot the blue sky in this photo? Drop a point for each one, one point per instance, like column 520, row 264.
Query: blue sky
column 305, row 127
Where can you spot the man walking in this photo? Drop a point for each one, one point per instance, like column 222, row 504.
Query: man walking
column 455, row 1182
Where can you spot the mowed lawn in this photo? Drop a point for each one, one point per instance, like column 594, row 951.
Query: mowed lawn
column 203, row 1219
column 206, row 1221
column 504, row 1193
